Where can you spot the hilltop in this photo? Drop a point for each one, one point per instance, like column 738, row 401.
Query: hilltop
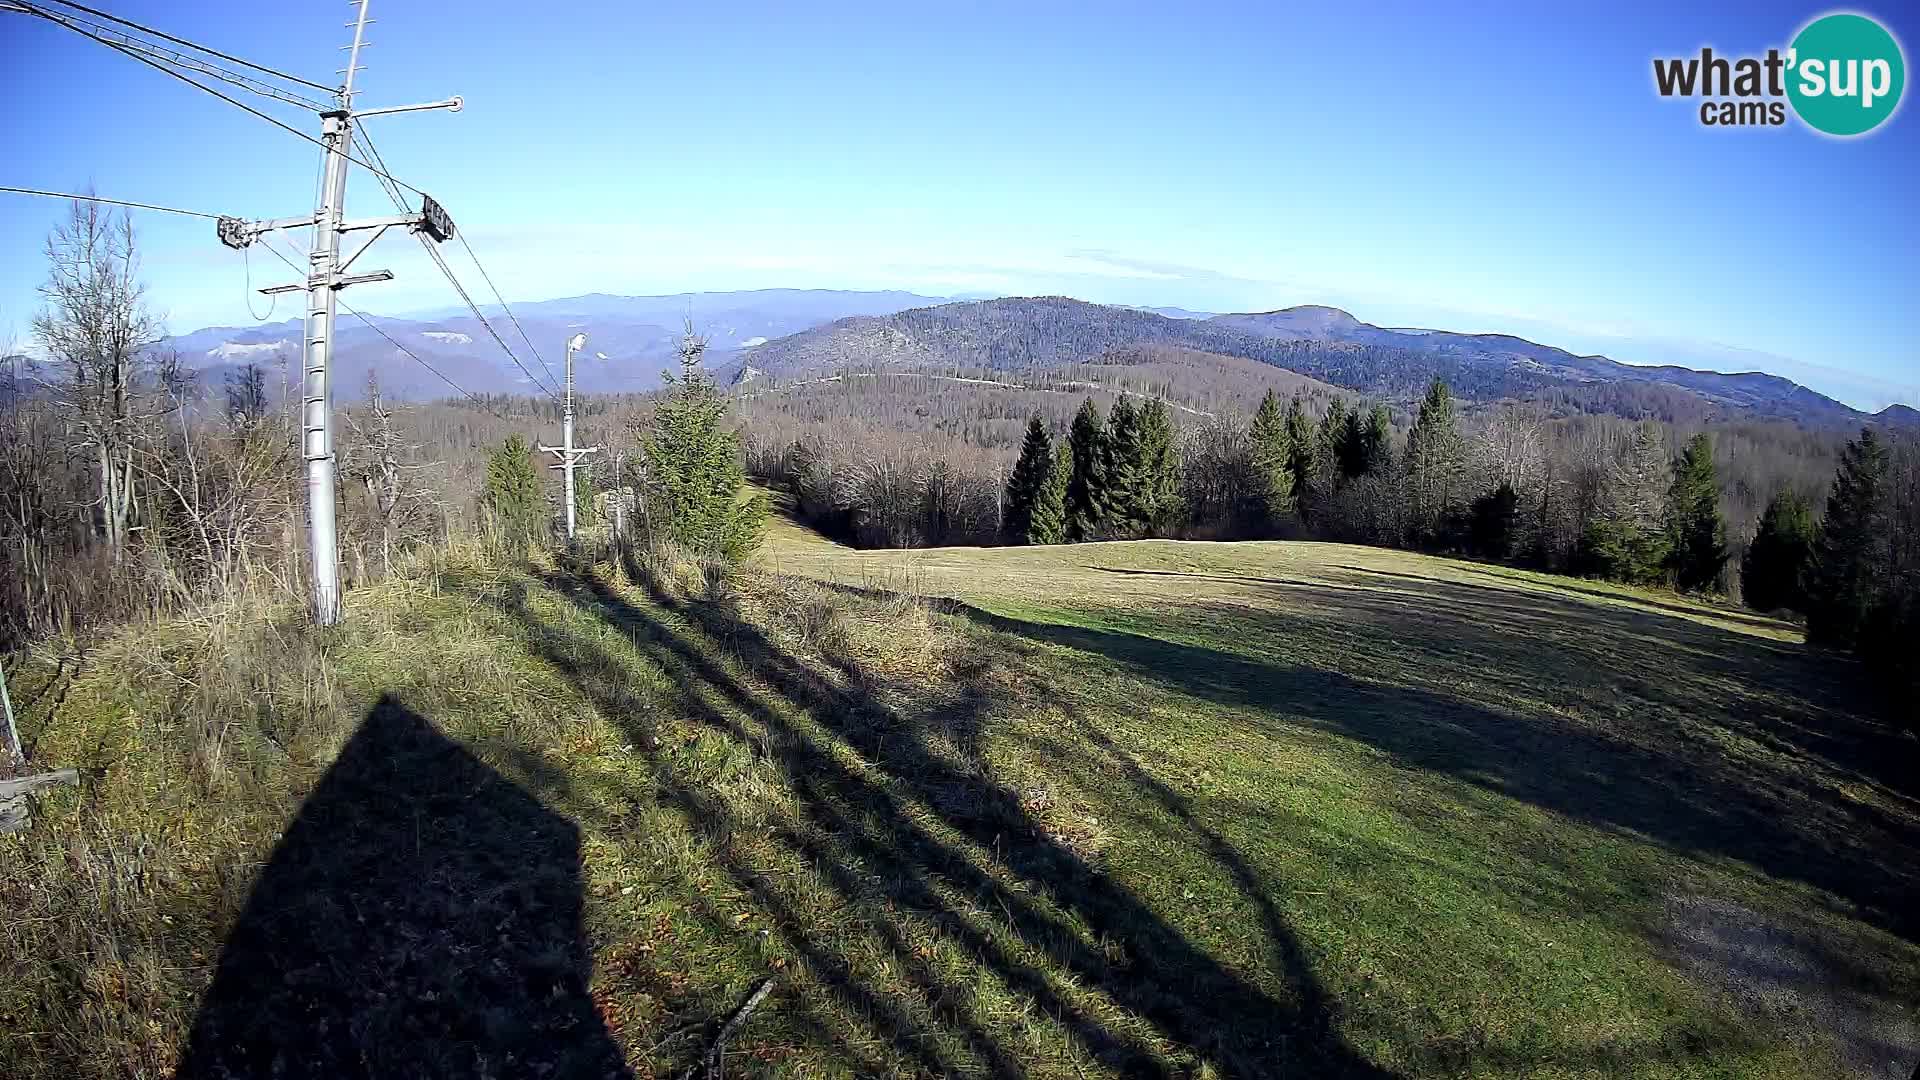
column 1111, row 809
column 1025, row 333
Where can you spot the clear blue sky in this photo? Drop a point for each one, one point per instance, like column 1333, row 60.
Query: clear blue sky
column 1483, row 170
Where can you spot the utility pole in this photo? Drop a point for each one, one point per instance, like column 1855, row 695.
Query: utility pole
column 619, row 496
column 14, row 754
column 326, row 276
column 568, row 453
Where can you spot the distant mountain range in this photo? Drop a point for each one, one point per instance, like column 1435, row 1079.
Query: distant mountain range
column 630, row 339
column 787, row 333
column 1394, row 364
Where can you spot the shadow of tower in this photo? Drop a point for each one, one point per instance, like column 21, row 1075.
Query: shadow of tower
column 420, row 917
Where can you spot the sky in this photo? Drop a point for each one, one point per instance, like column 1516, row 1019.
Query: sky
column 1491, row 169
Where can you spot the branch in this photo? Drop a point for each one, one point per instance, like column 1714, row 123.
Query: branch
column 709, row 1063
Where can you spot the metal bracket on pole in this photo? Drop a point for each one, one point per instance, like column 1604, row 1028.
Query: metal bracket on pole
column 340, row 281
column 363, row 247
column 384, row 223
column 452, row 104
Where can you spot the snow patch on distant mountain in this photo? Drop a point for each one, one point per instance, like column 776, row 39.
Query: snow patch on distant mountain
column 447, row 337
column 236, row 350
column 752, row 341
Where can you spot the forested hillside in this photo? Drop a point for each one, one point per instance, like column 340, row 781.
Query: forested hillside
column 967, row 426
column 1325, row 343
column 1044, row 332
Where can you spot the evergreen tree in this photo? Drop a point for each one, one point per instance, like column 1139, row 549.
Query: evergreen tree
column 1129, row 480
column 1326, row 448
column 1129, row 470
column 1627, row 539
column 512, row 493
column 1436, row 458
column 1163, row 466
column 695, row 470
column 1612, row 547
column 1378, row 441
column 1273, row 456
column 1300, row 453
column 1696, row 534
column 1365, row 445
column 1028, row 484
column 1049, row 522
column 1776, row 561
column 1495, row 517
column 1851, row 555
column 1350, row 445
column 1087, row 484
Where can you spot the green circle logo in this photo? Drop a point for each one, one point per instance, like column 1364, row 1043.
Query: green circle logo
column 1845, row 74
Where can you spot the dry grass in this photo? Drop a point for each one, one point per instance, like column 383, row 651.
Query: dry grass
column 1123, row 809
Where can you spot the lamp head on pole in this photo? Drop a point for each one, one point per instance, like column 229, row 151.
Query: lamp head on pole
column 576, row 342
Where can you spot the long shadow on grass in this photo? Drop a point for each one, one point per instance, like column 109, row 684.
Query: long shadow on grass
column 1808, row 705
column 1698, row 805
column 1687, row 666
column 1574, row 585
column 419, row 918
column 841, row 842
column 869, row 819
column 1514, row 600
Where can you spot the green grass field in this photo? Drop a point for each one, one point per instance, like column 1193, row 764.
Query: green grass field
column 1110, row 809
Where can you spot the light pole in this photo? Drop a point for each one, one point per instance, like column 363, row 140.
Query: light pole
column 568, row 453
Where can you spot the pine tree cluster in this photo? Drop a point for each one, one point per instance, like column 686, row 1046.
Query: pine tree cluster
column 1111, row 478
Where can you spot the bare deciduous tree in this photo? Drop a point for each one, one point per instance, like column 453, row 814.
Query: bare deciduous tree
column 95, row 330
column 396, row 500
column 224, row 491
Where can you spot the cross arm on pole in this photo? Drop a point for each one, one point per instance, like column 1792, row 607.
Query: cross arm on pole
column 237, row 232
column 452, row 104
column 383, row 223
column 340, row 281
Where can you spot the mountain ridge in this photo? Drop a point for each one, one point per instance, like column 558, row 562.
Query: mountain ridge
column 781, row 331
column 1320, row 341
column 632, row 339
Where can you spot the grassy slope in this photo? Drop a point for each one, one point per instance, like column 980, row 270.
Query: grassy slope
column 1123, row 808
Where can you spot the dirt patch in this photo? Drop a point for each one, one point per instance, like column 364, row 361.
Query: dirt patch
column 1783, row 974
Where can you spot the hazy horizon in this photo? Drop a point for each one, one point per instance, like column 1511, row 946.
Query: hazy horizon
column 1693, row 355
